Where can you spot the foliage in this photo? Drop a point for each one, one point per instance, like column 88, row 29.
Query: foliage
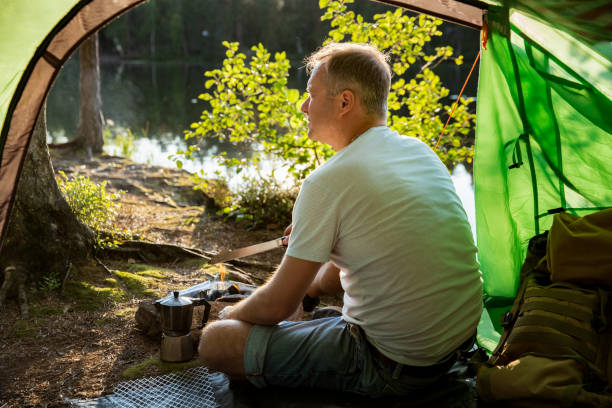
column 119, row 141
column 50, row 282
column 415, row 105
column 251, row 103
column 263, row 200
column 92, row 205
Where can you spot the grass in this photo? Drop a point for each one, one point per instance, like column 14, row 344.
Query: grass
column 194, row 263
column 43, row 311
column 148, row 271
column 143, row 280
column 119, row 316
column 93, row 290
column 23, row 329
column 139, row 285
column 125, row 313
column 138, row 370
column 90, row 297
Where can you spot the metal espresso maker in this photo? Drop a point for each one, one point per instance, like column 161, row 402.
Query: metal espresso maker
column 176, row 313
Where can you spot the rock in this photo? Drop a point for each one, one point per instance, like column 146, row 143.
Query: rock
column 148, row 320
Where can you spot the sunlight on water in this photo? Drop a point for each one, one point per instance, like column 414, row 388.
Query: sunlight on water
column 465, row 190
column 152, row 151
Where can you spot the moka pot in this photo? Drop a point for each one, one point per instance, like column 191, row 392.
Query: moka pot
column 176, row 313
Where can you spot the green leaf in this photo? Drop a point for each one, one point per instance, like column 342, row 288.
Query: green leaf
column 293, row 95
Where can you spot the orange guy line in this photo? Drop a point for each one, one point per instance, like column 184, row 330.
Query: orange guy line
column 457, row 101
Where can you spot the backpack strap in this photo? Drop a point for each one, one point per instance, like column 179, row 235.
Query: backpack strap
column 581, row 315
column 508, row 322
column 551, row 344
column 539, row 320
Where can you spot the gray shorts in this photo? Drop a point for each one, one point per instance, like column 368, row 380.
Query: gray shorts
column 324, row 353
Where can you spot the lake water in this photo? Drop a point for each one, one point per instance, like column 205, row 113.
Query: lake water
column 157, row 102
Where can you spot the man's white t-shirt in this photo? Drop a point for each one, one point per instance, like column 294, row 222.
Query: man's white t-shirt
column 384, row 209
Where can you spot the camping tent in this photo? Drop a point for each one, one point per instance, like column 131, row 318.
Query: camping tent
column 544, row 114
column 543, row 130
column 36, row 39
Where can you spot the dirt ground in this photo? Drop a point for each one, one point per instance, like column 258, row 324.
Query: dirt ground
column 80, row 338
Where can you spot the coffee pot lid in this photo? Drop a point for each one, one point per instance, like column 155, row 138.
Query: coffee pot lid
column 176, row 300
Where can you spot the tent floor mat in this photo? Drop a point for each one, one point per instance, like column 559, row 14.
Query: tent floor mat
column 456, row 390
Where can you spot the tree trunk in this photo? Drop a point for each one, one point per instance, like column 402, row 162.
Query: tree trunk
column 91, row 122
column 152, row 33
column 44, row 236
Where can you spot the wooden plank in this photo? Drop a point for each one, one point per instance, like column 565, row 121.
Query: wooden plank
column 449, row 10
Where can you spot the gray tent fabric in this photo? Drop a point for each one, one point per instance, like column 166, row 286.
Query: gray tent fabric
column 36, row 38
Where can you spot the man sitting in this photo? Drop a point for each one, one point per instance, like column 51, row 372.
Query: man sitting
column 381, row 221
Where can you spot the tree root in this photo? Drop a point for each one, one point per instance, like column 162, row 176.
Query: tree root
column 152, row 252
column 68, row 270
column 14, row 284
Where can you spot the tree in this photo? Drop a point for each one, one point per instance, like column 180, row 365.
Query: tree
column 250, row 102
column 90, row 131
column 44, row 236
column 91, row 122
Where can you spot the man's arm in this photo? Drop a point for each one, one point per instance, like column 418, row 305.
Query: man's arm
column 280, row 297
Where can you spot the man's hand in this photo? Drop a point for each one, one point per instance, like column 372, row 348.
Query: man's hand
column 280, row 296
column 224, row 313
column 287, row 234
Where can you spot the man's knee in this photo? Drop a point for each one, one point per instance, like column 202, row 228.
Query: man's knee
column 222, row 343
column 211, row 342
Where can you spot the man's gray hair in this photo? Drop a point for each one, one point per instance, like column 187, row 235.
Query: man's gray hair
column 361, row 68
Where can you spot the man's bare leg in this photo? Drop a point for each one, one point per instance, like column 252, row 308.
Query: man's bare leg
column 222, row 346
column 327, row 281
column 222, row 342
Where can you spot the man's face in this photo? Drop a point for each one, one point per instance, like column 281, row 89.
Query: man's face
column 319, row 107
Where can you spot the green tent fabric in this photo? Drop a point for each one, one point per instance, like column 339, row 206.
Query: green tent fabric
column 543, row 138
column 588, row 20
column 36, row 39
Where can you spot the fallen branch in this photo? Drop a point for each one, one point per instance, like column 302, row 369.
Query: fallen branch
column 111, row 274
column 68, row 270
column 151, row 252
column 154, row 252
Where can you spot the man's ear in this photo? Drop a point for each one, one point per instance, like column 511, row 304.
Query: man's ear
column 348, row 100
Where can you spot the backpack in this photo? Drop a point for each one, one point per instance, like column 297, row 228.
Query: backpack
column 556, row 345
